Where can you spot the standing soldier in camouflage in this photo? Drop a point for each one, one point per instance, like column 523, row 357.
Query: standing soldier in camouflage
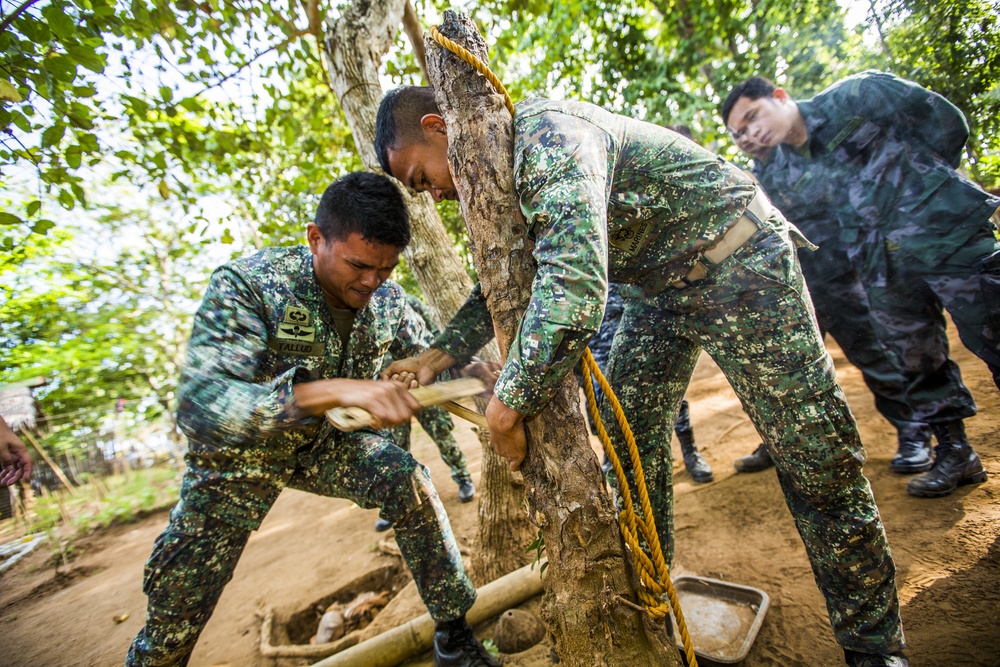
column 706, row 262
column 917, row 389
column 918, row 232
column 439, row 426
column 281, row 337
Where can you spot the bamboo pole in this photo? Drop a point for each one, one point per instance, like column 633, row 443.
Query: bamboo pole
column 394, row 646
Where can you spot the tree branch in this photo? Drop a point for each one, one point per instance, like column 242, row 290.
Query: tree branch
column 881, row 34
column 411, row 25
column 258, row 55
column 17, row 12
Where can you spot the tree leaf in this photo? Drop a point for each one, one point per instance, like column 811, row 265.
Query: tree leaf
column 59, row 22
column 9, row 219
column 42, row 226
column 9, row 92
column 53, row 135
column 73, row 156
column 66, row 199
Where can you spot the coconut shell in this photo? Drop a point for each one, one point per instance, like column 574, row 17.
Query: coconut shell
column 331, row 626
column 518, row 631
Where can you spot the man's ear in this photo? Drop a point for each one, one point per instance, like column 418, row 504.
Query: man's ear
column 433, row 122
column 781, row 95
column 314, row 236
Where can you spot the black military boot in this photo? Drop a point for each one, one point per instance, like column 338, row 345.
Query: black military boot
column 912, row 456
column 855, row 659
column 955, row 463
column 456, row 646
column 466, row 490
column 697, row 466
column 759, row 460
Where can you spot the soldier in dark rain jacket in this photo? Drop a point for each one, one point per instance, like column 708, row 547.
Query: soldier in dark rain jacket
column 918, row 232
column 916, row 384
column 705, row 262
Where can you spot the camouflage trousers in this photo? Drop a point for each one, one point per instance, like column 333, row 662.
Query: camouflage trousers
column 908, row 308
column 439, row 426
column 914, row 381
column 194, row 558
column 753, row 315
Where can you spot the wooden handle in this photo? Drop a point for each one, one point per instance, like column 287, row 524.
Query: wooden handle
column 465, row 413
column 353, row 418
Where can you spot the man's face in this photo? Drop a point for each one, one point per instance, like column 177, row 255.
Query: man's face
column 759, row 125
column 350, row 270
column 423, row 167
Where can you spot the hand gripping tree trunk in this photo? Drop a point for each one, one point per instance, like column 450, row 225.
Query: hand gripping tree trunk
column 588, row 573
column 354, row 46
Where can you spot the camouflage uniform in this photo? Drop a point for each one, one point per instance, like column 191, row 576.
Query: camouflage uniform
column 263, row 326
column 600, row 347
column 914, row 384
column 435, row 420
column 610, row 197
column 918, row 231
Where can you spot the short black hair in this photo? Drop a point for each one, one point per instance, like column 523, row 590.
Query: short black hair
column 753, row 88
column 398, row 119
column 367, row 204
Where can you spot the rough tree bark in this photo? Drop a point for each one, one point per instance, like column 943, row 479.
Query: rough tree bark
column 588, row 573
column 354, row 46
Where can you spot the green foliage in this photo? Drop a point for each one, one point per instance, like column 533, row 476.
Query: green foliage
column 103, row 311
column 538, row 546
column 115, row 500
column 128, row 499
column 491, row 648
column 953, row 48
column 50, row 54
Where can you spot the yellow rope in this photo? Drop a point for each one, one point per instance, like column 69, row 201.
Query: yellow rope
column 479, row 66
column 653, row 571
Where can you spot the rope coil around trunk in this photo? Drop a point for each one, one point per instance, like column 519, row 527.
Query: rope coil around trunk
column 653, row 571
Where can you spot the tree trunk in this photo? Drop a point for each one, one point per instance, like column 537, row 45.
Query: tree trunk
column 354, row 46
column 588, row 572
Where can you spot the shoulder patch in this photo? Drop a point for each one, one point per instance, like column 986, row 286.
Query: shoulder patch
column 296, row 325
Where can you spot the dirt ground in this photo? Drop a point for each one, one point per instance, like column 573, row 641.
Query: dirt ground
column 737, row 529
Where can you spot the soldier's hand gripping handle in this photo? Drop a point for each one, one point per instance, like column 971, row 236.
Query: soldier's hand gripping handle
column 351, row 418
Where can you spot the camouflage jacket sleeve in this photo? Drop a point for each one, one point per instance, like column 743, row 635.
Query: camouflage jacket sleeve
column 469, row 330
column 921, row 114
column 561, row 175
column 218, row 402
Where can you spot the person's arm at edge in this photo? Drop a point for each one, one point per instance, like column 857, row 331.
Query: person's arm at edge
column 15, row 461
